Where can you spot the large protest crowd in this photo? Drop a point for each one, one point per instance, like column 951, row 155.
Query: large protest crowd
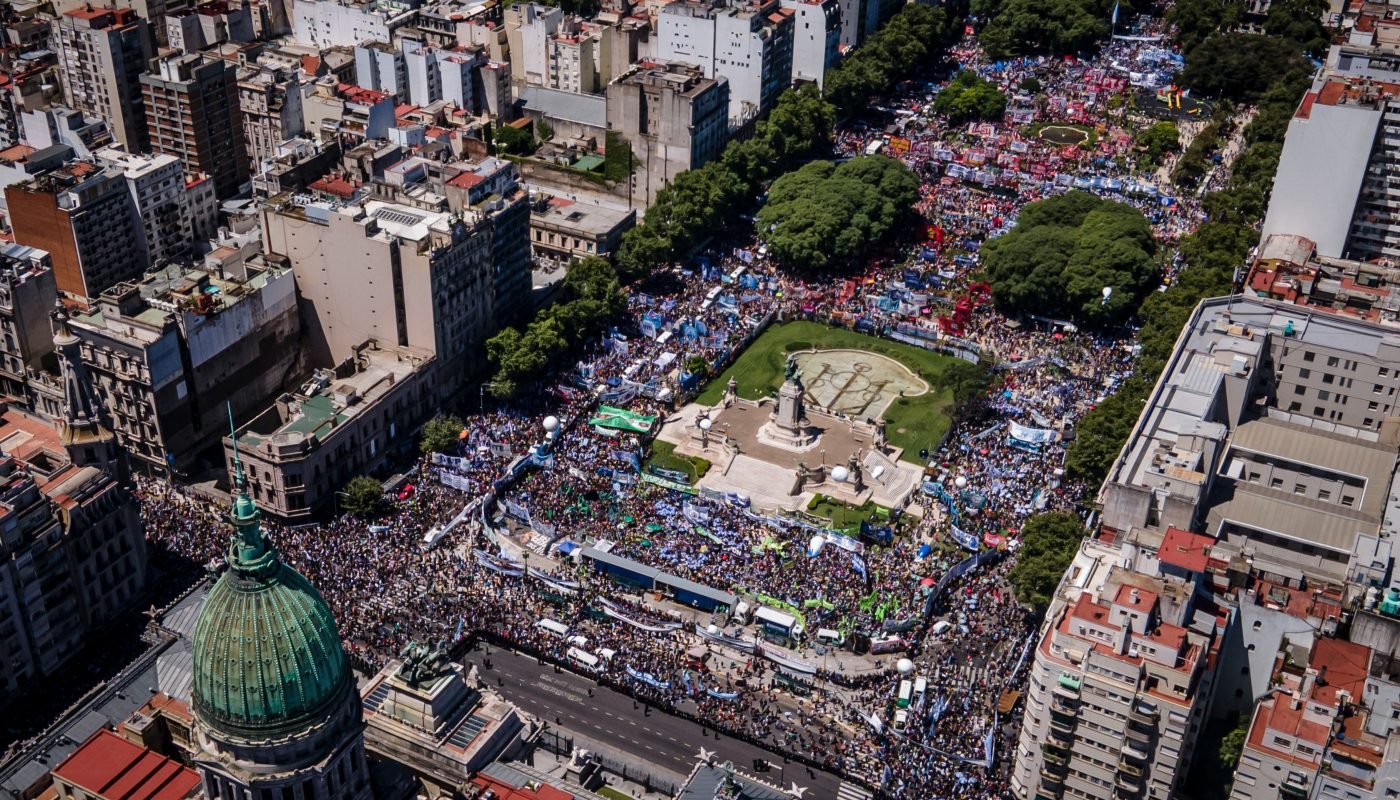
column 581, row 484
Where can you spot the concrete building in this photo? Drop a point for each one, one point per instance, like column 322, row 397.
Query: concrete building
column 27, row 293
column 1273, row 431
column 749, row 45
column 72, row 547
column 425, row 714
column 442, row 281
column 192, row 113
column 157, row 186
column 816, row 38
column 342, row 423
column 47, row 128
column 269, row 100
column 529, row 27
column 101, row 55
column 173, row 352
column 208, row 24
column 573, row 63
column 327, row 23
column 340, row 111
column 87, row 221
column 1120, row 685
column 380, row 66
column 563, row 231
column 673, row 117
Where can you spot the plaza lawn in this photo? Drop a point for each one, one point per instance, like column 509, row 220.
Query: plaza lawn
column 914, row 423
column 843, row 515
column 664, row 455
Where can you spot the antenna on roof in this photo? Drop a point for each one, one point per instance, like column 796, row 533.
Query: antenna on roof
column 233, row 434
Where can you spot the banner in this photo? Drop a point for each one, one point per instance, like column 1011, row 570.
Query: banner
column 503, row 566
column 847, row 543
column 622, row 420
column 1021, row 433
column 967, row 540
column 785, row 661
column 696, row 514
column 659, row 481
column 648, row 678
column 459, row 482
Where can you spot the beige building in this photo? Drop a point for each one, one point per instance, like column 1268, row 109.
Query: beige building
column 1273, row 430
column 27, row 294
column 270, row 102
column 1120, row 684
column 342, row 423
column 564, row 231
column 674, row 119
column 441, row 281
column 101, row 55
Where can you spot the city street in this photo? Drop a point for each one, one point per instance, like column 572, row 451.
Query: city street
column 609, row 716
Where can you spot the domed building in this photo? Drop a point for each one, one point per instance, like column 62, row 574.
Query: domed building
column 277, row 716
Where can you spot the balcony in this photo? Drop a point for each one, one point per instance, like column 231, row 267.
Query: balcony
column 1063, row 705
column 1054, row 762
column 1134, row 752
column 1067, row 718
column 1143, row 713
column 1127, row 784
column 1059, row 741
column 1139, row 737
column 1050, row 785
column 1132, row 770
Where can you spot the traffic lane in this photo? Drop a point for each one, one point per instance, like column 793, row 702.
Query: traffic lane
column 610, row 716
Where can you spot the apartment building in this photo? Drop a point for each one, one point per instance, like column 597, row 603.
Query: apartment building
column 573, row 62
column 674, row 119
column 270, row 102
column 172, row 353
column 101, row 55
column 342, row 423
column 157, row 186
column 192, row 113
column 331, row 23
column 1121, row 682
column 564, row 231
column 426, row 276
column 750, row 45
column 529, row 27
column 27, row 294
column 209, row 24
column 84, row 217
column 816, row 38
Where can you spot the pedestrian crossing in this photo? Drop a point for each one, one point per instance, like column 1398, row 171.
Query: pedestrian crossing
column 966, row 675
column 850, row 791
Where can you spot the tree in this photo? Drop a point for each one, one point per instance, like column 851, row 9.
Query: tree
column 1300, row 22
column 825, row 214
column 1048, row 544
column 1232, row 744
column 441, row 433
column 912, row 39
column 543, row 130
column 1063, row 253
column 515, row 141
column 362, row 496
column 970, row 97
column 1240, row 66
column 968, row 383
column 1197, row 20
column 1158, row 139
column 1031, row 27
column 618, row 162
column 1101, row 434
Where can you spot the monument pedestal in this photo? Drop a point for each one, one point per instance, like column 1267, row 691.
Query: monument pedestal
column 788, row 426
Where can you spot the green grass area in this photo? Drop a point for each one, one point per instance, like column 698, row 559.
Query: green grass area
column 914, row 423
column 613, row 794
column 843, row 515
column 664, row 455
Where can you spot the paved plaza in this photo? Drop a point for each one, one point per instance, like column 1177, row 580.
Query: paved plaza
column 856, row 383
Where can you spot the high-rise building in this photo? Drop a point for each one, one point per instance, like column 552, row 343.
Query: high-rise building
column 72, row 547
column 173, row 352
column 748, row 44
column 674, row 119
column 816, row 38
column 102, row 53
column 1121, row 682
column 87, row 221
column 442, row 281
column 157, row 186
column 192, row 113
column 296, row 730
column 270, row 102
column 27, row 294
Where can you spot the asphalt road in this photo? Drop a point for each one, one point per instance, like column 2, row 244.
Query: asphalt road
column 609, row 717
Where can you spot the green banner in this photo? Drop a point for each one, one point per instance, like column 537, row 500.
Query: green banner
column 680, row 487
column 622, row 420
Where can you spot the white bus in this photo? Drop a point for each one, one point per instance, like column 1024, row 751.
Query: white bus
column 583, row 658
column 906, row 694
column 556, row 628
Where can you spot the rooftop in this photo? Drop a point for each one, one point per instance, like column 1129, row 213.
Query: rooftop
column 112, row 768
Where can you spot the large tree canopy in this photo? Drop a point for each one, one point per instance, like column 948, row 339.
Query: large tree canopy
column 1064, row 251
column 1048, row 544
column 970, row 97
column 1240, row 66
column 1057, row 27
column 824, row 214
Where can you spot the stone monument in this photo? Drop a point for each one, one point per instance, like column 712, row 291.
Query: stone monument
column 788, row 426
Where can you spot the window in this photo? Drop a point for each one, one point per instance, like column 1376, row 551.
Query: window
column 1328, row 378
column 1318, row 411
column 1299, row 388
column 1299, row 488
column 1304, row 374
column 1323, row 395
column 1348, row 500
column 1309, row 356
column 1331, row 361
column 1276, row 483
column 1323, row 494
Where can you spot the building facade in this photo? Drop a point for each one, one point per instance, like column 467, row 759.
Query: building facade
column 101, row 55
column 170, row 355
column 816, row 38
column 749, row 45
column 83, row 217
column 674, row 119
column 27, row 293
column 192, row 113
column 158, row 188
column 269, row 100
column 342, row 423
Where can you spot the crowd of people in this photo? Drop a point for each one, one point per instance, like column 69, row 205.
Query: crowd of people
column 580, row 484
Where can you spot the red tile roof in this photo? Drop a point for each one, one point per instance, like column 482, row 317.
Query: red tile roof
column 1190, row 551
column 1346, row 664
column 113, row 768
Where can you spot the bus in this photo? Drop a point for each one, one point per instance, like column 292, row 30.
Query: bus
column 892, row 644
column 920, row 685
column 583, row 658
column 906, row 694
column 556, row 628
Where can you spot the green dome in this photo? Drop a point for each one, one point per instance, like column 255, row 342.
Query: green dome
column 267, row 656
